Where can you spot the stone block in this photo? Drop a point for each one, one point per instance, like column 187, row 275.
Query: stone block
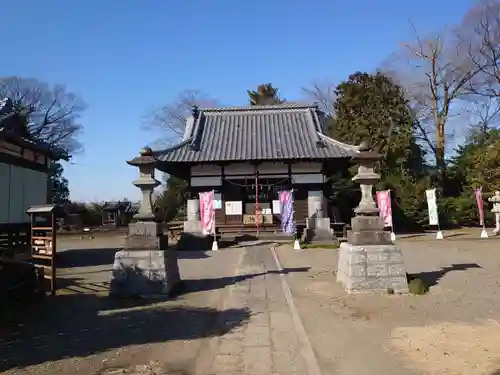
column 368, row 237
column 370, row 223
column 145, row 273
column 145, row 228
column 322, row 223
column 318, row 223
column 146, row 242
column 319, row 235
column 371, row 269
column 192, row 226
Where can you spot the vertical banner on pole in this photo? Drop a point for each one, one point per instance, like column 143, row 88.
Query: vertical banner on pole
column 480, row 207
column 385, row 210
column 258, row 212
column 286, row 206
column 433, row 211
column 207, row 213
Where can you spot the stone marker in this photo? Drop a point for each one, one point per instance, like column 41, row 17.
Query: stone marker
column 369, row 262
column 496, row 210
column 145, row 267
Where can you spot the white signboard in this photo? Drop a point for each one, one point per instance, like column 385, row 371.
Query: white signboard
column 234, row 208
column 276, row 207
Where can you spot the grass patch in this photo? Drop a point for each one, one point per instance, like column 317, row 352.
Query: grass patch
column 305, row 245
column 416, row 286
column 320, row 245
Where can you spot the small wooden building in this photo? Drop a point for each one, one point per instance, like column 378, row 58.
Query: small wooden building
column 113, row 213
column 131, row 210
column 118, row 213
column 24, row 166
column 249, row 154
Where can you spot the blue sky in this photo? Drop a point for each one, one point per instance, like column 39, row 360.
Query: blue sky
column 124, row 57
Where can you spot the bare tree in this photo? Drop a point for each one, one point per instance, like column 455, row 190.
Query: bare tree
column 52, row 113
column 170, row 119
column 479, row 33
column 436, row 75
column 484, row 114
column 323, row 94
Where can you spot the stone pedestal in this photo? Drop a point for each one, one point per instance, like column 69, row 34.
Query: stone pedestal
column 193, row 227
column 145, row 267
column 318, row 224
column 369, row 262
column 368, row 230
column 193, row 224
column 371, row 269
column 193, row 210
column 318, row 230
column 315, row 204
column 192, row 237
column 496, row 210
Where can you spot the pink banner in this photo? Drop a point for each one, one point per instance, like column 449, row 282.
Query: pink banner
column 480, row 206
column 207, row 212
column 384, row 205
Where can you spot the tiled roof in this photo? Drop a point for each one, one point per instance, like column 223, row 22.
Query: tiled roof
column 11, row 134
column 133, row 207
column 114, row 205
column 285, row 131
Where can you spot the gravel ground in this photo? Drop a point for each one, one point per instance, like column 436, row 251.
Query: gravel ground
column 82, row 332
column 454, row 329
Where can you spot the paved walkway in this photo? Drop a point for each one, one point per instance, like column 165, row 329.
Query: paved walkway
column 272, row 341
column 237, row 317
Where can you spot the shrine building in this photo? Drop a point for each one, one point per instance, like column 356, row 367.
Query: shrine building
column 24, row 168
column 247, row 155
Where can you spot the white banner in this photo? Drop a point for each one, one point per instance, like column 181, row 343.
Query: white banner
column 432, row 207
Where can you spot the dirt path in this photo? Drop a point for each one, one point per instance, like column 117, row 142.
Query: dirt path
column 454, row 329
column 83, row 332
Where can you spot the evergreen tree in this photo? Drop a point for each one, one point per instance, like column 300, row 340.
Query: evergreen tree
column 172, row 200
column 371, row 108
column 265, row 94
column 58, row 185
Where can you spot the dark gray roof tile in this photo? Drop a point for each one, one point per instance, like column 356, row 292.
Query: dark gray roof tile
column 287, row 131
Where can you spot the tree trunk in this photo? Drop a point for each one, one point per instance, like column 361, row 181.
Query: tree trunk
column 440, row 148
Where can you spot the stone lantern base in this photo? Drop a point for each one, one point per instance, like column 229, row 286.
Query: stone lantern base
column 370, row 262
column 145, row 267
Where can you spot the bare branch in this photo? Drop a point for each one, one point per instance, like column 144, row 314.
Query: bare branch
column 479, row 34
column 436, row 76
column 170, row 119
column 52, row 112
column 484, row 114
column 323, row 94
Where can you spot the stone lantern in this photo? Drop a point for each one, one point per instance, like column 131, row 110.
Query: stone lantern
column 496, row 210
column 146, row 182
column 146, row 266
column 369, row 262
column 366, row 178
